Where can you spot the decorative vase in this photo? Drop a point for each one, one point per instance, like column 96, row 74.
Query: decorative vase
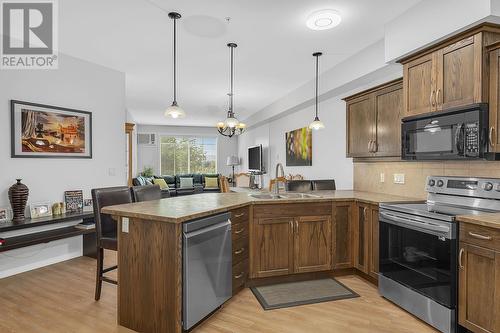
column 18, row 197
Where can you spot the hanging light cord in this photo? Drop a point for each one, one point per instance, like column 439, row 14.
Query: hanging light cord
column 317, row 70
column 175, row 62
column 231, row 80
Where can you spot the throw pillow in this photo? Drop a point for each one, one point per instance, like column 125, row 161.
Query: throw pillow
column 141, row 180
column 186, row 182
column 161, row 182
column 149, row 181
column 211, row 182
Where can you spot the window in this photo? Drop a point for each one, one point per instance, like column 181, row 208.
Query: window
column 188, row 155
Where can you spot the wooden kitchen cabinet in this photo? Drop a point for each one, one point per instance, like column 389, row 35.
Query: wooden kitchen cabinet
column 374, row 121
column 240, row 218
column 342, row 234
column 290, row 238
column 453, row 73
column 366, row 239
column 494, row 99
column 479, row 279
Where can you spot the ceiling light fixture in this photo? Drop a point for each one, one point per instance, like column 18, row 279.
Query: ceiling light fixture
column 323, row 19
column 317, row 124
column 231, row 125
column 174, row 111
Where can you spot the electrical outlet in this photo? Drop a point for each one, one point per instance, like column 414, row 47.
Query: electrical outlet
column 399, row 178
column 125, row 223
column 382, row 177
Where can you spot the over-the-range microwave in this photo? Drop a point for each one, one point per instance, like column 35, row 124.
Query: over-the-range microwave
column 454, row 134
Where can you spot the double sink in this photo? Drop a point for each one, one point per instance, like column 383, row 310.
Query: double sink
column 267, row 196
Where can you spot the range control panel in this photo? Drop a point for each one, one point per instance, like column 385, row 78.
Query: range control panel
column 464, row 186
column 471, row 139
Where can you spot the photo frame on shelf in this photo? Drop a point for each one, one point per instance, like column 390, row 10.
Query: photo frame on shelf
column 46, row 131
column 40, row 209
column 73, row 200
column 5, row 214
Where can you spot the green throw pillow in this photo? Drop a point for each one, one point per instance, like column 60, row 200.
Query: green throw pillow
column 186, row 182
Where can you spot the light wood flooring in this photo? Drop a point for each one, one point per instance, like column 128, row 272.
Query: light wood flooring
column 60, row 298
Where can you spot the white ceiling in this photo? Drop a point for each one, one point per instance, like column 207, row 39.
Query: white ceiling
column 273, row 55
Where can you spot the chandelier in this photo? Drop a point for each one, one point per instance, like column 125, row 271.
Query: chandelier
column 231, row 126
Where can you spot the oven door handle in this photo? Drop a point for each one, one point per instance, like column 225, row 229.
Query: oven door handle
column 415, row 225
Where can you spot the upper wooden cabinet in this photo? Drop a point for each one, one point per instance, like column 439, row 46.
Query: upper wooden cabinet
column 494, row 98
column 374, row 121
column 450, row 74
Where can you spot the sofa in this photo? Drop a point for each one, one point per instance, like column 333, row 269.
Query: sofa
column 175, row 188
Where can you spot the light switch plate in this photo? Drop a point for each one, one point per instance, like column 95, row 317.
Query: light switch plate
column 399, row 178
column 125, row 223
column 382, row 177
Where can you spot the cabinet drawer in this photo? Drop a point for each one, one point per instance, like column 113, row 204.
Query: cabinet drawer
column 240, row 273
column 240, row 250
column 239, row 230
column 479, row 235
column 239, row 215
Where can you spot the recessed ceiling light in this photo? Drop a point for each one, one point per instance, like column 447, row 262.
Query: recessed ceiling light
column 323, row 19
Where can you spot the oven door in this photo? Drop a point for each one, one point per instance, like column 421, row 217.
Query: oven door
column 420, row 254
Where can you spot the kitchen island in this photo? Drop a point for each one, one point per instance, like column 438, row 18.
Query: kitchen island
column 150, row 244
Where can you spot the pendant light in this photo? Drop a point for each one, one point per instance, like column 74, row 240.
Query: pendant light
column 174, row 111
column 231, row 125
column 317, row 124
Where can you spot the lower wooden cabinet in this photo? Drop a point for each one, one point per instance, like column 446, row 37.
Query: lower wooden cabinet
column 239, row 233
column 479, row 279
column 342, row 234
column 298, row 243
column 366, row 239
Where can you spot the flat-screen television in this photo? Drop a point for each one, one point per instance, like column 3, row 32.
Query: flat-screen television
column 255, row 158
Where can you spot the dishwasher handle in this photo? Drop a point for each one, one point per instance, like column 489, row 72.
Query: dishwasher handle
column 221, row 225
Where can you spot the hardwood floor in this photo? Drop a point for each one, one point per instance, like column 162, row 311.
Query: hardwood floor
column 60, row 298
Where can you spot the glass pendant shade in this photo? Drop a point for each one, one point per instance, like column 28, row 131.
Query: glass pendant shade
column 174, row 111
column 316, row 124
column 231, row 122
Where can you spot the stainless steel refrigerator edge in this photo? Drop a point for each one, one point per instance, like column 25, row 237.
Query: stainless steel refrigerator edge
column 207, row 267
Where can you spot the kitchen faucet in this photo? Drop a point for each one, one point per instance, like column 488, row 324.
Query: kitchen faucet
column 279, row 167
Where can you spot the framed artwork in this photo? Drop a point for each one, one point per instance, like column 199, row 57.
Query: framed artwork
column 39, row 130
column 40, row 209
column 4, row 214
column 299, row 147
column 73, row 200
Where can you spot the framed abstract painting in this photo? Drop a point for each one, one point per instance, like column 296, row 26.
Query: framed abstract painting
column 299, row 147
column 39, row 130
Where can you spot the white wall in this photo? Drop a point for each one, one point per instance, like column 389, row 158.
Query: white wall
column 80, row 85
column 430, row 21
column 148, row 156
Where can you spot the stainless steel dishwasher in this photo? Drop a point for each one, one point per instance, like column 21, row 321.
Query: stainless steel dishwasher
column 207, row 267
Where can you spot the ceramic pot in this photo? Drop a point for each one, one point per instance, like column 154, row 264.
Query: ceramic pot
column 18, row 197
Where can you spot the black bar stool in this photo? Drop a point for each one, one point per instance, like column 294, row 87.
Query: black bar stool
column 106, row 228
column 298, row 185
column 327, row 184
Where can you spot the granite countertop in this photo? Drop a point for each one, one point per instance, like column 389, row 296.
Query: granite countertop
column 185, row 208
column 491, row 220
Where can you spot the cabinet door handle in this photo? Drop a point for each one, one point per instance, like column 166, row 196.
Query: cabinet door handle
column 437, row 96
column 431, row 98
column 239, row 215
column 239, row 275
column 490, row 136
column 375, row 148
column 236, row 232
column 296, row 225
column 478, row 236
column 460, row 255
column 370, row 146
column 240, row 251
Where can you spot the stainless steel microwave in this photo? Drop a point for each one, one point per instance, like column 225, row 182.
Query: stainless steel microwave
column 455, row 134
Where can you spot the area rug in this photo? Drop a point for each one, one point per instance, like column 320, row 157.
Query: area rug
column 284, row 295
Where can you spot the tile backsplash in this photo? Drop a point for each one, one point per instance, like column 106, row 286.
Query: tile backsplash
column 367, row 176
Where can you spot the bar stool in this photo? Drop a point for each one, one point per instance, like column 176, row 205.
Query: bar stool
column 146, row 193
column 106, row 229
column 327, row 184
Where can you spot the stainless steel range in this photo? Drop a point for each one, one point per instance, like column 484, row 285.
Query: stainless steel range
column 418, row 246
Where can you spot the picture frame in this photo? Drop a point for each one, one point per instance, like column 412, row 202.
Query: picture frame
column 73, row 200
column 40, row 209
column 299, row 147
column 5, row 214
column 46, row 131
column 88, row 203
